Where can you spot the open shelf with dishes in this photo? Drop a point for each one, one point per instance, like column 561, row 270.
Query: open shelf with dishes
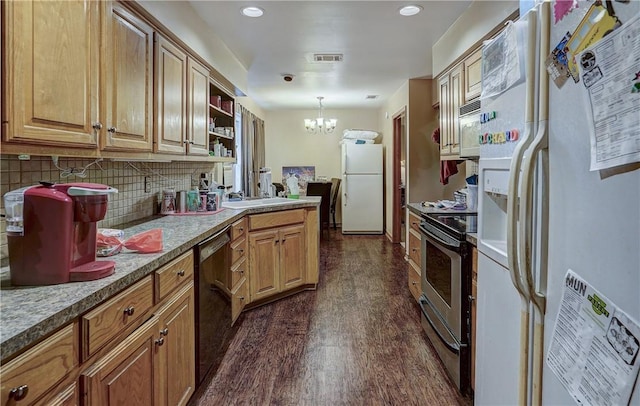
column 221, row 122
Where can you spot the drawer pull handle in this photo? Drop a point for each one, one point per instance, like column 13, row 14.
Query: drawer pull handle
column 160, row 341
column 164, row 331
column 19, row 393
column 129, row 311
column 181, row 273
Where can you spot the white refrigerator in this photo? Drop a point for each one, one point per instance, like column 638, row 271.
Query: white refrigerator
column 362, row 189
column 543, row 212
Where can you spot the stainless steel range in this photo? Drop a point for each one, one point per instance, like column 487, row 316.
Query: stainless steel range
column 446, row 287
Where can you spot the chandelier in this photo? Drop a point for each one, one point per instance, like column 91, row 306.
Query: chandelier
column 320, row 124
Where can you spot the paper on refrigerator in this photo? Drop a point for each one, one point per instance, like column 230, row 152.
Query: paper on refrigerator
column 594, row 347
column 610, row 72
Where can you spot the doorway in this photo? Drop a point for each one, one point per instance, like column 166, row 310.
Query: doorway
column 399, row 229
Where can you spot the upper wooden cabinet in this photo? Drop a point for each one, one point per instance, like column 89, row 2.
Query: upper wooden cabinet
column 70, row 84
column 182, row 101
column 451, row 86
column 198, row 108
column 128, row 81
column 472, row 76
column 171, row 97
column 52, row 65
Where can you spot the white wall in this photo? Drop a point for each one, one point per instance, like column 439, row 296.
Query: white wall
column 182, row 20
column 476, row 22
column 397, row 102
column 288, row 144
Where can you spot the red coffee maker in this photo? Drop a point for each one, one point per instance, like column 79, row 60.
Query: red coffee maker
column 51, row 233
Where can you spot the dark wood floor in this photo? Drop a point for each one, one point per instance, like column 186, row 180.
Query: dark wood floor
column 357, row 340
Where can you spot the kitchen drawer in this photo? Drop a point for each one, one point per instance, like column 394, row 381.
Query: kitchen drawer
column 414, row 247
column 276, row 219
column 40, row 368
column 414, row 282
column 174, row 274
column 239, row 299
column 414, row 222
column 238, row 229
column 238, row 250
column 107, row 320
column 68, row 396
column 238, row 271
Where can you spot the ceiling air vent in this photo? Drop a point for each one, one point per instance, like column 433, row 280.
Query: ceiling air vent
column 327, row 57
column 371, row 96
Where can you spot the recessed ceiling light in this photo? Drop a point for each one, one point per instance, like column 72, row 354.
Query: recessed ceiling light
column 410, row 10
column 252, row 11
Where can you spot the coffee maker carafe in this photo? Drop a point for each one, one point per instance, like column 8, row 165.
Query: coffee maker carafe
column 51, row 233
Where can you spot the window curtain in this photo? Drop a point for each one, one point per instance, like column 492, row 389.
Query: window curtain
column 252, row 151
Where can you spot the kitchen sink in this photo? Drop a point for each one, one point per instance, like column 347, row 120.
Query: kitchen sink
column 272, row 201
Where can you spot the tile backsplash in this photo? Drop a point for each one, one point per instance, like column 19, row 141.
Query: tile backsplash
column 131, row 203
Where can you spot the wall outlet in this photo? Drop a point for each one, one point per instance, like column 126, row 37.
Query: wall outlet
column 147, row 185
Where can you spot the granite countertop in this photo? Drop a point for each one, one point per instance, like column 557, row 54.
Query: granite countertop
column 28, row 313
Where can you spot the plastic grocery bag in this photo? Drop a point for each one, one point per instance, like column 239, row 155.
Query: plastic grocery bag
column 110, row 242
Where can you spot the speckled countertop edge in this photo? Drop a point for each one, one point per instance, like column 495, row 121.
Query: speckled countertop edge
column 28, row 314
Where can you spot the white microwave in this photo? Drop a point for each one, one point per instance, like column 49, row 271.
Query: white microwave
column 469, row 122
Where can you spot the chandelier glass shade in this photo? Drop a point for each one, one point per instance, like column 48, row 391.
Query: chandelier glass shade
column 320, row 124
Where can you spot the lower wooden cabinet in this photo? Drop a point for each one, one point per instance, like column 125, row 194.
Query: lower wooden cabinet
column 176, row 350
column 68, row 396
column 277, row 260
column 414, row 252
column 154, row 365
column 125, row 376
column 34, row 373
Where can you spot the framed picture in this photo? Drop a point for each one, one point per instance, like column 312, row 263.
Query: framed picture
column 303, row 173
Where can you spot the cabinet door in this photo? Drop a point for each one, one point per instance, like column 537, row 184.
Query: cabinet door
column 177, row 352
column 457, row 96
column 198, row 108
column 292, row 257
column 445, row 115
column 171, row 97
column 52, row 68
column 473, row 76
column 264, row 276
column 128, row 81
column 125, row 376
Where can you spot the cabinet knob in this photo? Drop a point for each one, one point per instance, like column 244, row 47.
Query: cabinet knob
column 159, row 341
column 185, row 141
column 112, row 130
column 241, row 298
column 241, row 229
column 471, row 298
column 181, row 272
column 19, row 393
column 97, row 126
column 164, row 331
column 414, row 283
column 129, row 311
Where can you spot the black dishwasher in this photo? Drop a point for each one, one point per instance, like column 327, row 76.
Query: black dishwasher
column 214, row 329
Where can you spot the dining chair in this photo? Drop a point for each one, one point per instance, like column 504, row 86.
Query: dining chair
column 335, row 187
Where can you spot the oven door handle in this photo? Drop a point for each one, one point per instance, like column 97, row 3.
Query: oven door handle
column 439, row 240
column 455, row 346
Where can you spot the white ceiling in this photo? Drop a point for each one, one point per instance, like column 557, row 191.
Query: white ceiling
column 381, row 48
